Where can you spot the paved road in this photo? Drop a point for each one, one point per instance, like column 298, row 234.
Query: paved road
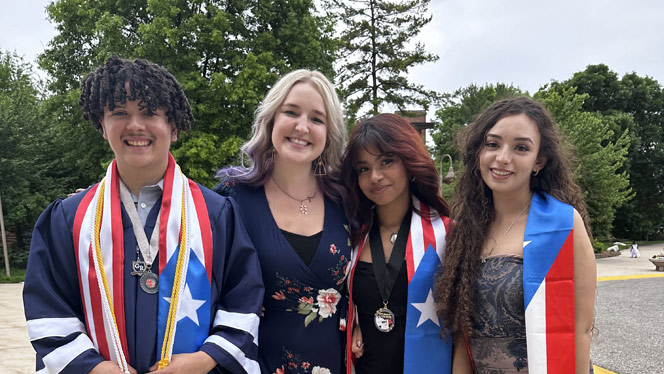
column 629, row 314
column 629, row 319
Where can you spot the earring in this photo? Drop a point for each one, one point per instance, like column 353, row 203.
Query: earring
column 535, row 172
column 412, row 179
column 272, row 155
column 319, row 170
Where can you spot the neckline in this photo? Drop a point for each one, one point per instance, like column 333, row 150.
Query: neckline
column 285, row 242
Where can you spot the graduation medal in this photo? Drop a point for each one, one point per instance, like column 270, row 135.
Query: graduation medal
column 149, row 282
column 386, row 272
column 384, row 319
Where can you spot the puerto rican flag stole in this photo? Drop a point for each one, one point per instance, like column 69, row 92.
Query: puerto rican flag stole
column 548, row 286
column 184, row 276
column 425, row 351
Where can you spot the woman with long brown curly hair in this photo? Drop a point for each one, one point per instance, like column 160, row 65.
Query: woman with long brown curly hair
column 399, row 221
column 518, row 287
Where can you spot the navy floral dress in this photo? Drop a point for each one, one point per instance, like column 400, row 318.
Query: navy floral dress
column 301, row 329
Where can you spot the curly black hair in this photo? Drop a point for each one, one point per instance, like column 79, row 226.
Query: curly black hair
column 151, row 84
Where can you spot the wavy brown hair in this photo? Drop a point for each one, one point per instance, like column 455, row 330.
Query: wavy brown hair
column 473, row 210
column 389, row 134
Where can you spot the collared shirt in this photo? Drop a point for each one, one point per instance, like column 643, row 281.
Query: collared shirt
column 146, row 199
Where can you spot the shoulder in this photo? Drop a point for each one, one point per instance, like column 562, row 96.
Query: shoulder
column 233, row 187
column 578, row 221
column 227, row 186
column 69, row 206
column 213, row 200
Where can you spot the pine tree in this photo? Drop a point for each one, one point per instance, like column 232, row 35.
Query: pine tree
column 374, row 58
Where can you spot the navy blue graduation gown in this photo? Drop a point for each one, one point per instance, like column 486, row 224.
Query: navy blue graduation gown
column 52, row 292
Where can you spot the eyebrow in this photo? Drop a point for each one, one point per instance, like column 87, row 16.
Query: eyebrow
column 521, row 139
column 298, row 107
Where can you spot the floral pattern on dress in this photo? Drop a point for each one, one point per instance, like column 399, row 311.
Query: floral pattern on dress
column 313, row 304
column 227, row 187
column 339, row 270
column 295, row 364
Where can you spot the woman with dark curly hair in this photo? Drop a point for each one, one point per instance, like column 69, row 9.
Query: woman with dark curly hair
column 518, row 287
column 399, row 227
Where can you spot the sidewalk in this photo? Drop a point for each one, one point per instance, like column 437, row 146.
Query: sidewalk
column 17, row 356
column 623, row 265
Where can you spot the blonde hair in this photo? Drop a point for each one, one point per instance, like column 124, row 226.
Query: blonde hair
column 259, row 146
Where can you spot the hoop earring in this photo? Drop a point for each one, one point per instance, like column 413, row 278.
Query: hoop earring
column 319, row 170
column 535, row 172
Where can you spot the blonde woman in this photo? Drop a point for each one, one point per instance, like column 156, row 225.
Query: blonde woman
column 289, row 200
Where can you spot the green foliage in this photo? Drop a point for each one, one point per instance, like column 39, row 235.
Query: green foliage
column 461, row 108
column 226, row 55
column 17, row 275
column 600, row 170
column 637, row 104
column 25, row 149
column 375, row 57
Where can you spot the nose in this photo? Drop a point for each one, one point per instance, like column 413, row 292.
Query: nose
column 135, row 123
column 302, row 125
column 504, row 155
column 376, row 175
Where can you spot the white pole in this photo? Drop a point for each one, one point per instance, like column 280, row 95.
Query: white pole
column 4, row 240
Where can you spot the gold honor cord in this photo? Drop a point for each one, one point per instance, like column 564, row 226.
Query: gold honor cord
column 102, row 273
column 169, row 334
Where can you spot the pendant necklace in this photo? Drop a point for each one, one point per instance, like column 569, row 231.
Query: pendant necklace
column 148, row 281
column 483, row 259
column 386, row 272
column 303, row 206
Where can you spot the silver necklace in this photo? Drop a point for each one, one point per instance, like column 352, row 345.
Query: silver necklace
column 303, row 207
column 483, row 259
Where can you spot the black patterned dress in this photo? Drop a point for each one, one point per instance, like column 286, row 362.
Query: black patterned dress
column 498, row 334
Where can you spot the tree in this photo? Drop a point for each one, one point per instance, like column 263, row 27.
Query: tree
column 374, row 54
column 225, row 54
column 599, row 171
column 25, row 150
column 641, row 99
column 461, row 108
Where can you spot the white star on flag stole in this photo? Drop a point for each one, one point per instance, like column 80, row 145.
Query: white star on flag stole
column 425, row 351
column 184, row 276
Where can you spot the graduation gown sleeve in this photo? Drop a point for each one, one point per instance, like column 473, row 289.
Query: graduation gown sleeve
column 236, row 277
column 51, row 295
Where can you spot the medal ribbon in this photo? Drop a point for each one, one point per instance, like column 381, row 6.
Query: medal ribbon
column 148, row 249
column 386, row 273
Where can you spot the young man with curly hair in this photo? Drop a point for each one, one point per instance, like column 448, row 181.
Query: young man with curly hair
column 109, row 288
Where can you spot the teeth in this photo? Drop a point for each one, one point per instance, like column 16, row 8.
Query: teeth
column 299, row 141
column 138, row 143
column 502, row 173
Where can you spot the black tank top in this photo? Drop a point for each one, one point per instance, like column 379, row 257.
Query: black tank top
column 383, row 352
column 305, row 246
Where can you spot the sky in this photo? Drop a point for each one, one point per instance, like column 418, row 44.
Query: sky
column 526, row 43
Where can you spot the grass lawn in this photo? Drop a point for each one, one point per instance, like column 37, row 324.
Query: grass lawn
column 18, row 275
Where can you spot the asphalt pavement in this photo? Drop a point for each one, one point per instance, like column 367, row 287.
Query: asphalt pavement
column 629, row 338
